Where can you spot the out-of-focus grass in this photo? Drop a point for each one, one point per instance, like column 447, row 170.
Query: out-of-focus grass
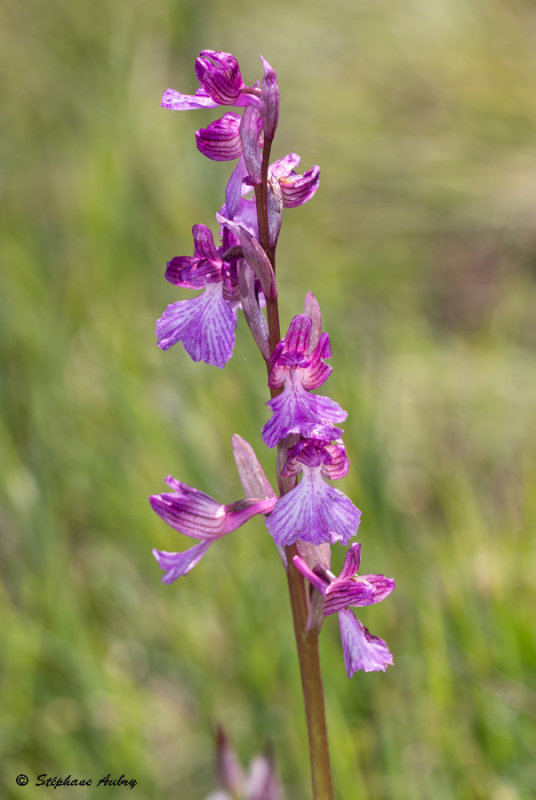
column 420, row 248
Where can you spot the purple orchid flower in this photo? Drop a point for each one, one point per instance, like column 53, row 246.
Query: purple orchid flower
column 298, row 365
column 314, row 511
column 198, row 515
column 261, row 782
column 221, row 141
column 221, row 85
column 296, row 189
column 233, row 136
column 361, row 649
column 204, row 324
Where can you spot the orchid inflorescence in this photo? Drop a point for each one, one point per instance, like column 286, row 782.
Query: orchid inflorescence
column 238, row 273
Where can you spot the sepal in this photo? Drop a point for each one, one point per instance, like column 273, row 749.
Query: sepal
column 220, row 141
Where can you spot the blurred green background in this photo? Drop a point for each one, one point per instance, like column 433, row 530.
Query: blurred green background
column 420, row 246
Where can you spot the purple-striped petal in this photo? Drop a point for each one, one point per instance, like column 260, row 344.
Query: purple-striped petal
column 220, row 141
column 380, row 585
column 176, row 101
column 190, row 511
column 314, row 512
column 204, row 246
column 318, row 371
column 298, row 189
column 177, row 564
column 196, row 514
column 219, row 75
column 183, row 271
column 351, row 562
column 298, row 411
column 193, row 273
column 335, row 463
column 295, row 352
column 361, row 649
column 204, row 324
column 343, row 594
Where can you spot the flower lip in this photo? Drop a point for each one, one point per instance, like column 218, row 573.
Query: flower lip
column 313, row 511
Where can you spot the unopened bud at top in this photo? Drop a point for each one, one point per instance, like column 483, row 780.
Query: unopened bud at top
column 269, row 106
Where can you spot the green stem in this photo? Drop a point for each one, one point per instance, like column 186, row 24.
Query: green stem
column 311, row 678
column 307, row 642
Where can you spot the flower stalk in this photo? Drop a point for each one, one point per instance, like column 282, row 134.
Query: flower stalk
column 306, row 641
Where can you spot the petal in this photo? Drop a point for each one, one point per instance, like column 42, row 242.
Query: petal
column 190, row 512
column 314, row 512
column 284, row 166
column 298, row 189
column 297, row 352
column 298, row 411
column 219, row 75
column 297, row 337
column 205, row 325
column 188, row 272
column 196, row 514
column 177, row 564
column 335, row 463
column 263, row 782
column 351, row 562
column 220, row 141
column 229, row 768
column 343, row 594
column 183, row 102
column 361, row 649
column 381, row 585
column 204, row 246
column 317, row 372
